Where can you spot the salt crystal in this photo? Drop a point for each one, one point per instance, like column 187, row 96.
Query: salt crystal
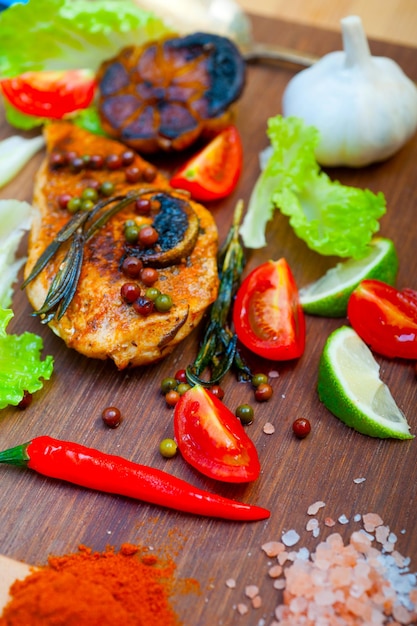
column 357, row 517
column 273, row 548
column 316, row 532
column 279, row 583
column 381, row 534
column 251, row 591
column 343, row 519
column 312, row 524
column 315, row 507
column 231, row 583
column 275, row 571
column 329, row 522
column 269, row 428
column 358, row 481
column 371, row 521
column 256, row 602
column 273, row 374
column 283, row 396
column 290, row 538
column 242, row 609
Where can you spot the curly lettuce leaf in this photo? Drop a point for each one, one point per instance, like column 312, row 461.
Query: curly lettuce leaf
column 21, row 367
column 332, row 219
column 68, row 34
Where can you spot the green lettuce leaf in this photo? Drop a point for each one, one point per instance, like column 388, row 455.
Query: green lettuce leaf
column 332, row 219
column 21, row 367
column 68, row 34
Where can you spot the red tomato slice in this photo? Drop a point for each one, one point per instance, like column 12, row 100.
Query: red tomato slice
column 267, row 313
column 213, row 173
column 212, row 439
column 385, row 318
column 50, row 94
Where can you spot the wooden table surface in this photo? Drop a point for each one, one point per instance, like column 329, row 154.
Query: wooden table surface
column 40, row 516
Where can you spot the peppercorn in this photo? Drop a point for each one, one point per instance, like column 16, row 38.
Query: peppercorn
column 111, row 416
column 168, row 448
column 301, row 427
column 263, row 392
column 245, row 413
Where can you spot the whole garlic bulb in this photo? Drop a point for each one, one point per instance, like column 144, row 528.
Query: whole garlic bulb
column 365, row 107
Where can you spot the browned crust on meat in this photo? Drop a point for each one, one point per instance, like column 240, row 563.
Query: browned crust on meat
column 98, row 323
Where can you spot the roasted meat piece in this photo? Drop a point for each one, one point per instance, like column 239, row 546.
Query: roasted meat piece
column 98, row 321
column 167, row 93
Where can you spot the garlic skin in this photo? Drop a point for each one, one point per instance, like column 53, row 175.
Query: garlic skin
column 365, row 107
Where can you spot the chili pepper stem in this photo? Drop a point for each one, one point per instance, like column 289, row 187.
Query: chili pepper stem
column 15, row 456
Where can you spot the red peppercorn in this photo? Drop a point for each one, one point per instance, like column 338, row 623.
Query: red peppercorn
column 172, row 397
column 133, row 174
column 143, row 206
column 111, row 416
column 128, row 156
column 263, row 392
column 113, row 161
column 63, row 200
column 96, row 162
column 132, row 266
column 130, row 292
column 301, row 427
column 77, row 164
column 217, row 391
column 148, row 275
column 149, row 174
column 181, row 376
column 143, row 306
column 57, row 160
column 148, row 235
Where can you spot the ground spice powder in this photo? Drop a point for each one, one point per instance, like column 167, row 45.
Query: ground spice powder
column 132, row 587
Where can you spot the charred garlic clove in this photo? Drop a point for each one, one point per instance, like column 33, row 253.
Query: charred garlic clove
column 364, row 106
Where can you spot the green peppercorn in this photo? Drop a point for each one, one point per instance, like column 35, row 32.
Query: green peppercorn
column 74, row 205
column 131, row 233
column 245, row 413
column 259, row 379
column 182, row 388
column 168, row 384
column 163, row 303
column 86, row 205
column 152, row 293
column 107, row 188
column 168, row 448
column 89, row 194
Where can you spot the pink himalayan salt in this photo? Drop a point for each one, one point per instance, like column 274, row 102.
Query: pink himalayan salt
column 273, row 548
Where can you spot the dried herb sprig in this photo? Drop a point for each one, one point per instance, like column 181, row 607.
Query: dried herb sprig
column 218, row 350
column 77, row 231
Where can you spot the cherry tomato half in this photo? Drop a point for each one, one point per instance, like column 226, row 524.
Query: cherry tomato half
column 213, row 173
column 50, row 94
column 212, row 439
column 385, row 318
column 267, row 313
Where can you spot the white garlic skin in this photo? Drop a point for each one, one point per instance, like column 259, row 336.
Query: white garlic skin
column 364, row 107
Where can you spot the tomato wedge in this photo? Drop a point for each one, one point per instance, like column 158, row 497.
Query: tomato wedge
column 213, row 172
column 385, row 318
column 50, row 94
column 212, row 439
column 267, row 313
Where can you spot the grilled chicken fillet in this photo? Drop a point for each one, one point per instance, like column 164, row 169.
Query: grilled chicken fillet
column 98, row 322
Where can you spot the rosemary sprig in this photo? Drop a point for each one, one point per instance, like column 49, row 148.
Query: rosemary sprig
column 77, row 231
column 218, row 350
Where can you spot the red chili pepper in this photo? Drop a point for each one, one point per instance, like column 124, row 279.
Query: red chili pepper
column 90, row 468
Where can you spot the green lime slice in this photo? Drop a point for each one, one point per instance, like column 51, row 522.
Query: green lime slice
column 350, row 387
column 329, row 295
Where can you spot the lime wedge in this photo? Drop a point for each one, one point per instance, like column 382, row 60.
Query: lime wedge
column 350, row 387
column 329, row 295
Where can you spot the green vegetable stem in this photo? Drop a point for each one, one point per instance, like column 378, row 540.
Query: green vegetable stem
column 218, row 349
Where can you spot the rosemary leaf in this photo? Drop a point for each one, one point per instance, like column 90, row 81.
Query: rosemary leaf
column 218, row 351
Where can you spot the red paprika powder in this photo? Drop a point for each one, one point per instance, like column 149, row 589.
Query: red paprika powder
column 132, row 587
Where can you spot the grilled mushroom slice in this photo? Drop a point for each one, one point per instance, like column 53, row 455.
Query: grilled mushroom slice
column 166, row 94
